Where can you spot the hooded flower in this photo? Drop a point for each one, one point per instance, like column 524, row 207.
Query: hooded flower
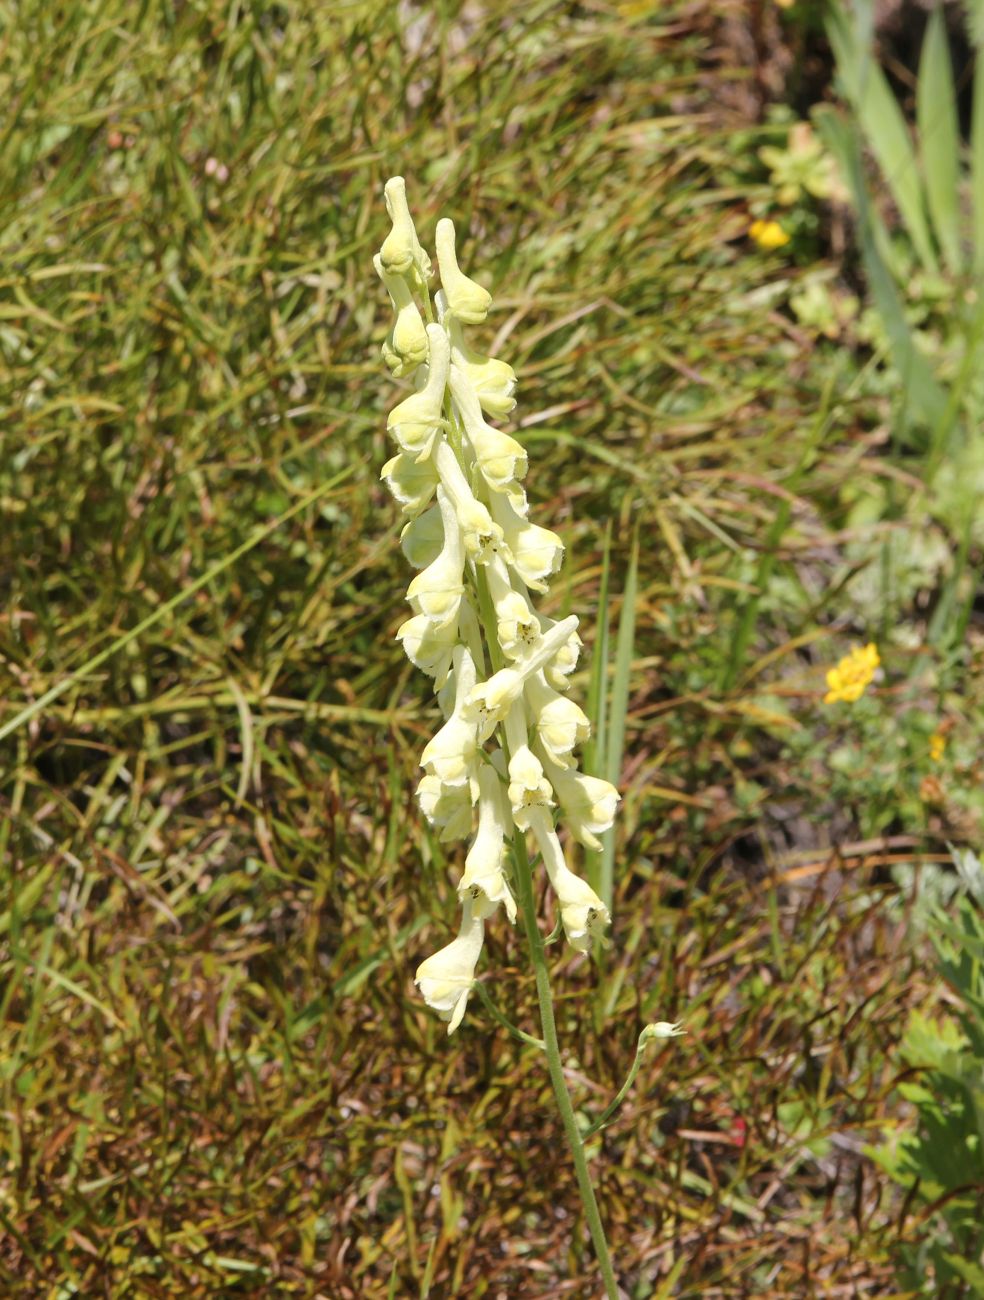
column 516, row 624
column 516, row 621
column 485, row 863
column 437, row 590
column 560, row 723
column 411, row 481
column 582, row 913
column 448, row 807
column 445, row 979
column 529, row 790
column 452, row 754
column 422, row 540
column 482, row 537
column 588, row 802
column 493, row 699
column 428, row 646
column 564, row 661
column 501, row 459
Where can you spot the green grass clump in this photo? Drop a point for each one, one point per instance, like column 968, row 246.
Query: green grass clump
column 215, row 1076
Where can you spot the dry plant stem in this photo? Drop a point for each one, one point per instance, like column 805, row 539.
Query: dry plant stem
column 527, row 904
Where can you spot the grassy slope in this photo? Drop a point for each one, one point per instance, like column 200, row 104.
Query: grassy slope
column 216, row 1078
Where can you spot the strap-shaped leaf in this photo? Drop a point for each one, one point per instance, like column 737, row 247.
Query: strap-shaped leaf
column 885, row 130
column 939, row 140
column 977, row 160
column 924, row 398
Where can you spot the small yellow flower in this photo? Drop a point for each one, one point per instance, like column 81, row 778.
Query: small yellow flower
column 852, row 675
column 937, row 747
column 768, row 234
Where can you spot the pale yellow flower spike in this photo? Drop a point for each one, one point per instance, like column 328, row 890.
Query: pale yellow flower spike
column 505, row 755
column 853, row 674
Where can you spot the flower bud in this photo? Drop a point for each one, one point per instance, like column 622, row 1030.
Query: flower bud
column 406, row 344
column 401, row 251
column 465, row 299
column 416, row 421
column 659, row 1031
column 484, row 865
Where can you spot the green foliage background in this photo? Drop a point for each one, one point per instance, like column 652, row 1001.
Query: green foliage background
column 215, row 1076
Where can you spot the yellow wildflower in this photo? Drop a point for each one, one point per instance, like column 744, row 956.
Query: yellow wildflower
column 937, row 747
column 768, row 234
column 852, row 675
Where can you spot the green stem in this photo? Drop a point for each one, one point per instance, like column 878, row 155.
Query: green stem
column 527, row 903
column 620, row 1096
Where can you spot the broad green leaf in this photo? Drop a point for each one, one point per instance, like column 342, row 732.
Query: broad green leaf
column 939, row 141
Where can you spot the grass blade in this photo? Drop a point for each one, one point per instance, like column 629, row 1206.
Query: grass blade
column 597, row 703
column 977, row 162
column 624, row 647
column 121, row 642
